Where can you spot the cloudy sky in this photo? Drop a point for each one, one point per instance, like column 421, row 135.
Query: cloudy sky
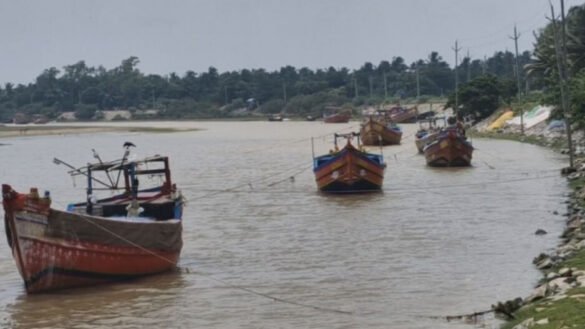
column 180, row 35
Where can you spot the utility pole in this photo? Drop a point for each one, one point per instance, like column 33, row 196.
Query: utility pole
column 518, row 93
column 355, row 88
column 417, row 84
column 484, row 66
column 468, row 66
column 560, row 51
column 385, row 87
column 565, row 79
column 456, row 49
column 371, row 81
column 225, row 95
column 284, row 91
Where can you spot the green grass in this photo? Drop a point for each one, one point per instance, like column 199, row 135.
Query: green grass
column 564, row 313
column 576, row 261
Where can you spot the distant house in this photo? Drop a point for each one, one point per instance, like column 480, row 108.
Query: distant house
column 370, row 110
column 40, row 119
column 152, row 113
column 67, row 116
column 240, row 112
column 117, row 115
column 21, row 118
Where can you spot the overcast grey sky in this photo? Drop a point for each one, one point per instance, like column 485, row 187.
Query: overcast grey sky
column 181, row 35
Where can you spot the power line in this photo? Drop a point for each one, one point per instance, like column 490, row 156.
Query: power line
column 456, row 49
column 515, row 38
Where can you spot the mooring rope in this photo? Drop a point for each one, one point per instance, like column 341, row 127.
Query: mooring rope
column 246, row 184
column 227, row 284
column 513, row 177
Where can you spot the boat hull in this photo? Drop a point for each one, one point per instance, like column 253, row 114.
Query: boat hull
column 337, row 118
column 423, row 141
column 405, row 116
column 55, row 249
column 374, row 133
column 349, row 171
column 449, row 150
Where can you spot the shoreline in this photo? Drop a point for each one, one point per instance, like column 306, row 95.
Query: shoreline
column 558, row 299
column 50, row 130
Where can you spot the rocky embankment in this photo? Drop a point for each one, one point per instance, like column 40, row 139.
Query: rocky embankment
column 559, row 299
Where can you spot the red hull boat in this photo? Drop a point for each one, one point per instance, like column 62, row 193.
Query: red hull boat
column 403, row 115
column 97, row 241
column 337, row 118
column 449, row 149
column 380, row 130
column 349, row 170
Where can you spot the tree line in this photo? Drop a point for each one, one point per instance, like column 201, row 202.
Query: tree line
column 86, row 90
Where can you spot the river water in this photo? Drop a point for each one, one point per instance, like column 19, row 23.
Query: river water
column 436, row 242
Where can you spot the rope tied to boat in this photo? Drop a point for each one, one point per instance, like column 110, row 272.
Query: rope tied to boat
column 224, row 283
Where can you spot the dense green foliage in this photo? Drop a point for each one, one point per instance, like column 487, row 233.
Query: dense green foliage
column 87, row 90
column 483, row 95
column 544, row 69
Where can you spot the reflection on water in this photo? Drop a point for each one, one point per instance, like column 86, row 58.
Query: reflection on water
column 147, row 300
column 434, row 242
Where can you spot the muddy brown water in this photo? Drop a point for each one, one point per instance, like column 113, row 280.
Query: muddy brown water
column 435, row 242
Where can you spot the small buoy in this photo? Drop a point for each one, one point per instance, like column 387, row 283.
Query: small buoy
column 540, row 232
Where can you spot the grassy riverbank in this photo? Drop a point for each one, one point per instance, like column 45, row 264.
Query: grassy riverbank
column 559, row 300
column 559, row 309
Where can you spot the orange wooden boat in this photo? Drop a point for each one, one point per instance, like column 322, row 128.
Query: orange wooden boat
column 449, row 149
column 349, row 170
column 133, row 234
column 380, row 130
column 336, row 115
column 401, row 114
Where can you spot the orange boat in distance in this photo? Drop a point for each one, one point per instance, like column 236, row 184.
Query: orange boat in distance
column 336, row 115
column 349, row 170
column 133, row 234
column 379, row 129
column 400, row 114
column 450, row 148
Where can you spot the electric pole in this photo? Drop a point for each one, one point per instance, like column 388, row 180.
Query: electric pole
column 468, row 66
column 456, row 49
column 518, row 93
column 371, row 81
column 284, row 91
column 355, row 88
column 565, row 79
column 560, row 51
column 385, row 87
column 417, row 84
